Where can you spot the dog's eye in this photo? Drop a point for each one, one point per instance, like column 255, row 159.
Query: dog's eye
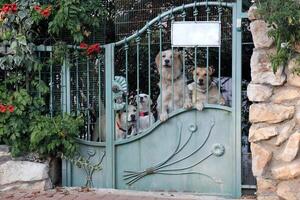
column 164, row 56
column 134, row 110
column 204, row 74
column 197, row 74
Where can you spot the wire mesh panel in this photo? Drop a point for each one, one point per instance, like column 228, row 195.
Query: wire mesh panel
column 87, row 83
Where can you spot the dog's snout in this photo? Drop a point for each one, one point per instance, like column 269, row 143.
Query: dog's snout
column 167, row 61
column 201, row 82
column 132, row 117
column 141, row 99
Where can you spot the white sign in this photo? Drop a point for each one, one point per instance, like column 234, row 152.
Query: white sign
column 199, row 33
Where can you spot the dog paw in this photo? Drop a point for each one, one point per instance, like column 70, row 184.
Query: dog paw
column 222, row 102
column 200, row 106
column 163, row 117
column 187, row 105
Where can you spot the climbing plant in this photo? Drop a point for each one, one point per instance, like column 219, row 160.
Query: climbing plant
column 283, row 18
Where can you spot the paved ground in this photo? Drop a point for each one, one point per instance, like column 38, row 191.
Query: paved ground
column 88, row 194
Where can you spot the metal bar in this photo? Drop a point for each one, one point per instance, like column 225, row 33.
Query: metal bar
column 77, row 85
column 220, row 55
column 138, row 40
column 110, row 150
column 126, row 75
column 51, row 86
column 40, row 77
column 183, row 58
column 149, row 70
column 207, row 54
column 99, row 100
column 88, row 98
column 236, row 93
column 153, row 21
column 173, row 100
column 160, row 64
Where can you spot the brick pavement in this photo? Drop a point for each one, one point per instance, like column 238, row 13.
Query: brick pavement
column 100, row 194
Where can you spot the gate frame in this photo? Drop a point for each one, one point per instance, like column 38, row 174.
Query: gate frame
column 237, row 16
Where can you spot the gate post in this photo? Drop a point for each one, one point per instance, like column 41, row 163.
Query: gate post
column 110, row 150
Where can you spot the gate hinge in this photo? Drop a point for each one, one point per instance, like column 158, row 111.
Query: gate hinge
column 239, row 24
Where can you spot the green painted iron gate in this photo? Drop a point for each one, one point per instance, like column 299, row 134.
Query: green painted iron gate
column 192, row 151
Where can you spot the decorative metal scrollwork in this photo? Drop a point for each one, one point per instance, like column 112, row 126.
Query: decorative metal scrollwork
column 119, row 88
column 218, row 150
column 162, row 168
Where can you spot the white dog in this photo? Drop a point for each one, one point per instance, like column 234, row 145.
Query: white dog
column 146, row 118
column 181, row 97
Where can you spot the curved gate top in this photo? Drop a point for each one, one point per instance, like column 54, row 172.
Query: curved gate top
column 166, row 120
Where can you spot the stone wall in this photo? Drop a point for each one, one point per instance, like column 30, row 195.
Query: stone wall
column 275, row 118
column 15, row 174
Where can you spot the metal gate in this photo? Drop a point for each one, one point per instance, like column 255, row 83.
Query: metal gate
column 192, row 151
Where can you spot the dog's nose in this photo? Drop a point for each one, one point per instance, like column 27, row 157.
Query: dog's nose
column 132, row 117
column 141, row 99
column 201, row 82
column 167, row 61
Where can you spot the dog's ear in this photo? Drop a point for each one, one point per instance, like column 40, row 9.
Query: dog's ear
column 157, row 60
column 211, row 70
column 178, row 54
column 191, row 70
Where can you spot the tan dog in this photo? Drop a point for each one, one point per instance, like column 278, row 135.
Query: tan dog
column 181, row 93
column 202, row 79
column 122, row 118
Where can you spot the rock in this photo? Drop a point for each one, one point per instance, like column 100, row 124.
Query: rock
column 285, row 131
column 270, row 113
column 38, row 185
column 252, row 13
column 258, row 133
column 266, row 186
column 4, row 154
column 289, row 190
column 259, row 30
column 288, row 171
column 285, row 94
column 291, row 149
column 259, row 93
column 268, row 197
column 260, row 159
column 297, row 115
column 293, row 79
column 24, row 174
column 261, row 69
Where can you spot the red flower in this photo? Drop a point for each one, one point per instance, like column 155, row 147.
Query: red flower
column 13, row 7
column 83, row 45
column 2, row 108
column 46, row 12
column 37, row 8
column 10, row 108
column 93, row 49
column 6, row 8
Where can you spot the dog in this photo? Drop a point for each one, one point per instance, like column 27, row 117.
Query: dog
column 146, row 118
column 181, row 94
column 203, row 78
column 128, row 117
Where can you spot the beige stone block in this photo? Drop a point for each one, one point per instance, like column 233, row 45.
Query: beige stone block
column 266, row 186
column 288, row 171
column 258, row 92
column 289, row 190
column 292, row 78
column 291, row 149
column 259, row 30
column 285, row 130
column 261, row 69
column 260, row 159
column 259, row 132
column 270, row 113
column 252, row 13
column 286, row 94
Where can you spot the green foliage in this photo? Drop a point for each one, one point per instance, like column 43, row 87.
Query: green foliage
column 284, row 20
column 55, row 136
column 76, row 18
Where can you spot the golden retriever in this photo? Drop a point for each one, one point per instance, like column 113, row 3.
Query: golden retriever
column 167, row 100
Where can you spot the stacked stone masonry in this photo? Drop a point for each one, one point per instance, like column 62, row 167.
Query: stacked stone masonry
column 275, row 118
